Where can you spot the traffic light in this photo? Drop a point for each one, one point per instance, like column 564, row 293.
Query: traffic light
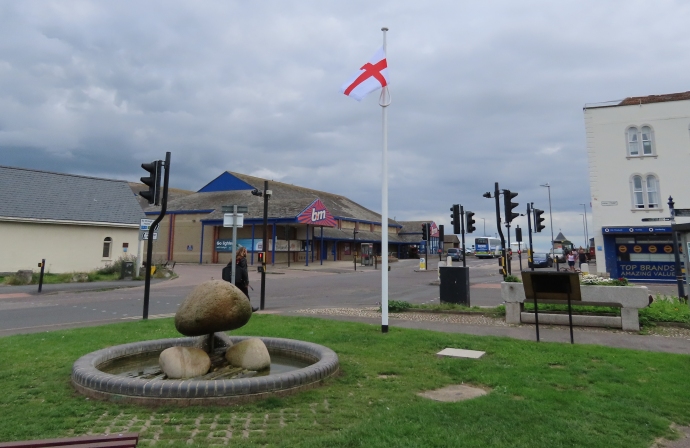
column 518, row 234
column 469, row 220
column 441, row 235
column 425, row 232
column 153, row 181
column 538, row 220
column 262, row 262
column 456, row 218
column 509, row 205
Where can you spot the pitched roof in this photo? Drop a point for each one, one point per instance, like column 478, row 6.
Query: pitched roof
column 34, row 194
column 286, row 200
column 637, row 100
column 412, row 227
column 173, row 193
column 560, row 238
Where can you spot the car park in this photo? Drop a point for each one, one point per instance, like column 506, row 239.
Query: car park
column 455, row 254
column 540, row 260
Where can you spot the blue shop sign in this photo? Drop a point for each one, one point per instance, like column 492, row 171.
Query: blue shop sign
column 647, row 270
column 225, row 245
column 628, row 230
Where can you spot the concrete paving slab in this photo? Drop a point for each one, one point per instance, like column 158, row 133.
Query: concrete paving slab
column 460, row 353
column 452, row 393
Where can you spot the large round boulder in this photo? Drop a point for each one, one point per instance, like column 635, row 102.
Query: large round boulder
column 250, row 354
column 215, row 305
column 184, row 362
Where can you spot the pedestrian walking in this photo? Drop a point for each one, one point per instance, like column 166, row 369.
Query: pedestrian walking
column 571, row 260
column 582, row 256
column 242, row 273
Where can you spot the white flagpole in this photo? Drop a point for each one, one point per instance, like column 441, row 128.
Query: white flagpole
column 384, row 102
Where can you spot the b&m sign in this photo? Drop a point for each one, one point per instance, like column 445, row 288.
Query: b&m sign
column 316, row 214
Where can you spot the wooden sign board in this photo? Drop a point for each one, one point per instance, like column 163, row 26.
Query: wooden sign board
column 551, row 285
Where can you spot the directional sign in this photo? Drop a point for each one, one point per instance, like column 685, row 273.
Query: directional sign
column 682, row 212
column 230, row 209
column 230, row 220
column 145, row 224
column 656, row 219
column 144, row 235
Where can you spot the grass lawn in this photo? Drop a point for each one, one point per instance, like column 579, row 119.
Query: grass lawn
column 542, row 394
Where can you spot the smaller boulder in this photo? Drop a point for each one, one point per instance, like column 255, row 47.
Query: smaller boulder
column 184, row 362
column 250, row 354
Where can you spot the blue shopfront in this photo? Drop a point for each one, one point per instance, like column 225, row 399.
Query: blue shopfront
column 640, row 254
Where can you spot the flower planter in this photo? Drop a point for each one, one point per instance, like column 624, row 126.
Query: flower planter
column 629, row 298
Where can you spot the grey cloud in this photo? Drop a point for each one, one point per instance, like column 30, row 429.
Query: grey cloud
column 480, row 90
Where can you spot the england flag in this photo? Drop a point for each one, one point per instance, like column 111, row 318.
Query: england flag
column 372, row 76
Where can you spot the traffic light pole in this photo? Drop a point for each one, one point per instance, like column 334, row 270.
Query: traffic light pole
column 508, row 256
column 497, row 194
column 265, row 247
column 530, row 259
column 152, row 228
column 518, row 239
column 441, row 243
column 462, row 224
column 426, row 246
column 679, row 272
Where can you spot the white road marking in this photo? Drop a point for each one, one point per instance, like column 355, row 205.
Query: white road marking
column 153, row 316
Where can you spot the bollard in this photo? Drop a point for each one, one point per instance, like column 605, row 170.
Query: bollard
column 41, row 265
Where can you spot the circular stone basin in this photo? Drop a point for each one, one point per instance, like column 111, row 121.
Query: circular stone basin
column 321, row 363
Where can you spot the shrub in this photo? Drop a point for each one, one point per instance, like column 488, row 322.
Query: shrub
column 14, row 280
column 512, row 279
column 665, row 309
column 116, row 267
column 397, row 306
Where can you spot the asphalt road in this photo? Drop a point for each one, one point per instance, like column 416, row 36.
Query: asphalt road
column 24, row 311
column 333, row 285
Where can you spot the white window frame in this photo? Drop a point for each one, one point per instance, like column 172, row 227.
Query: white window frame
column 633, row 138
column 645, row 192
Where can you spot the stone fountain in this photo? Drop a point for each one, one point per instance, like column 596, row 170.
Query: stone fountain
column 207, row 366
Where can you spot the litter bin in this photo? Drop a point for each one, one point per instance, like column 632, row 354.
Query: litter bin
column 127, row 271
column 455, row 285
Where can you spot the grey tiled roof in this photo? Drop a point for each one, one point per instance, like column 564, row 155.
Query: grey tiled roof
column 33, row 194
column 287, row 201
column 173, row 193
column 414, row 227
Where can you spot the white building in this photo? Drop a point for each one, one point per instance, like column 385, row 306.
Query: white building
column 75, row 223
column 639, row 155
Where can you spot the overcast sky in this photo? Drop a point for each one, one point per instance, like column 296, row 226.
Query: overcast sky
column 483, row 92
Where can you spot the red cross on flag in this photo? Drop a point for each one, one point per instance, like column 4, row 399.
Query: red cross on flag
column 372, row 76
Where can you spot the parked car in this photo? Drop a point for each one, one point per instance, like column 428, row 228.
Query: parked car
column 540, row 260
column 469, row 251
column 455, row 254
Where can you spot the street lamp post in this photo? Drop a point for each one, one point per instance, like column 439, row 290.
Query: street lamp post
column 584, row 206
column 553, row 252
column 584, row 228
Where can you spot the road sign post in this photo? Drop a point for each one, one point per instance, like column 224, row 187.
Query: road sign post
column 233, row 217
